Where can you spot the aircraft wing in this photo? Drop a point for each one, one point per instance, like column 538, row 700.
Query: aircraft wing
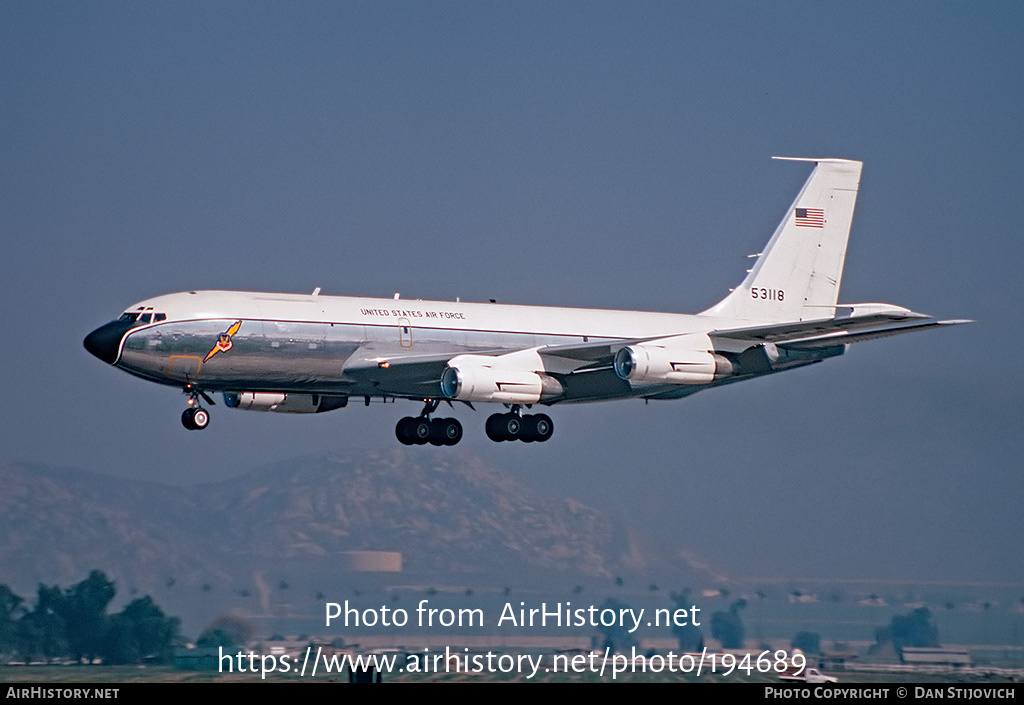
column 399, row 366
column 398, row 372
column 574, row 358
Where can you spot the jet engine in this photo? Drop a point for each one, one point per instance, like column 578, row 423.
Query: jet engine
column 494, row 379
column 284, row 403
column 683, row 359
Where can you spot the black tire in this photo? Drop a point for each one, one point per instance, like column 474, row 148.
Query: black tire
column 526, row 434
column 186, row 418
column 511, row 427
column 541, row 427
column 403, row 430
column 436, row 432
column 493, row 427
column 419, row 430
column 451, row 431
column 200, row 419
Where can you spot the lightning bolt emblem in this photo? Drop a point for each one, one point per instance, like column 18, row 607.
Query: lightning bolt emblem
column 223, row 343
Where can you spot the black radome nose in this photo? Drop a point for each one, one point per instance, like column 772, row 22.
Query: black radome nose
column 105, row 341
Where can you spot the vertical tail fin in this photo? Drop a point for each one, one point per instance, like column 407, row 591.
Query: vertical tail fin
column 797, row 276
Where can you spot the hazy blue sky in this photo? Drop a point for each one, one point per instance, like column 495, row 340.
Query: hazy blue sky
column 582, row 154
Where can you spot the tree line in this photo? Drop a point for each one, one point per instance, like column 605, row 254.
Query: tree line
column 73, row 623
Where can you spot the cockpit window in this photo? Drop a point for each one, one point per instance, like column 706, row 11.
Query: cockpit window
column 143, row 316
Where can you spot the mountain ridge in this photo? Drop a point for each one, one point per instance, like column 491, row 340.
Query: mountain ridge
column 279, row 533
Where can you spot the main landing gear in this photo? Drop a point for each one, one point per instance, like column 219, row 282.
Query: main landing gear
column 423, row 429
column 195, row 417
column 513, row 426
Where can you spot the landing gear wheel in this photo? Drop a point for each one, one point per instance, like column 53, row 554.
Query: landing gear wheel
column 195, row 419
column 445, row 432
column 419, row 430
column 200, row 419
column 511, row 426
column 493, row 428
column 504, row 427
column 403, row 430
column 538, row 427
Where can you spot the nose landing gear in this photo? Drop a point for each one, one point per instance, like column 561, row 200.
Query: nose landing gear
column 195, row 417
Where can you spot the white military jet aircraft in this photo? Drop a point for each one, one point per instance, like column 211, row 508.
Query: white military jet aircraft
column 310, row 353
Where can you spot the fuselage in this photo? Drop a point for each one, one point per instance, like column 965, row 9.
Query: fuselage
column 306, row 344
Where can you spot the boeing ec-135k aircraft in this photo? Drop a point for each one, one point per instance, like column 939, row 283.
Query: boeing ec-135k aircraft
column 310, row 353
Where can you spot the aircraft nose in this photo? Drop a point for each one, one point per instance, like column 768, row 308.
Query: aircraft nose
column 105, row 341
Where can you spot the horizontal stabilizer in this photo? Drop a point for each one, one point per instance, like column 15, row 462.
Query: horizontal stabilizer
column 880, row 321
column 843, row 338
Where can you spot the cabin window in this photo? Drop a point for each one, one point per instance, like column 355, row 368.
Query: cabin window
column 157, row 317
column 128, row 317
column 145, row 318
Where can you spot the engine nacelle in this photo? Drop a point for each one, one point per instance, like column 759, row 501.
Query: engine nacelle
column 684, row 359
column 284, row 403
column 493, row 379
